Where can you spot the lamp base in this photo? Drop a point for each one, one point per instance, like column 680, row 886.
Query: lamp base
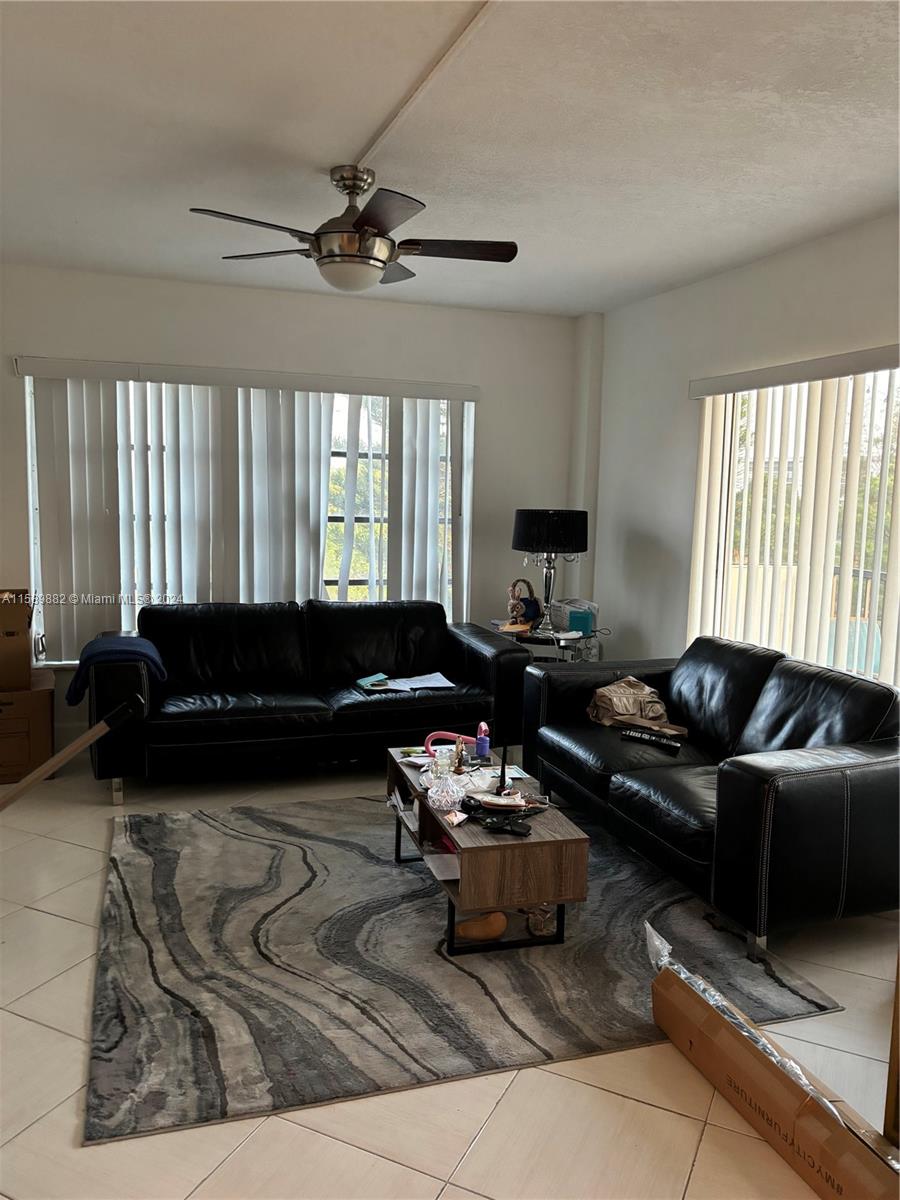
column 544, row 627
column 549, row 565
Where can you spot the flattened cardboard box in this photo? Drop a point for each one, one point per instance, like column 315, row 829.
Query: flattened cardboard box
column 851, row 1161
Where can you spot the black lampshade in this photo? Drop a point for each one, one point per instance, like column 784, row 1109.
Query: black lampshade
column 550, row 530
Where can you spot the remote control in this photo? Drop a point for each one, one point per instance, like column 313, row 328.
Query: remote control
column 652, row 739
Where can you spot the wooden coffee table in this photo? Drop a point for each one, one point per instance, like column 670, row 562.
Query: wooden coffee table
column 489, row 871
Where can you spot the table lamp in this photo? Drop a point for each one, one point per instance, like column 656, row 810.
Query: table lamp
column 544, row 534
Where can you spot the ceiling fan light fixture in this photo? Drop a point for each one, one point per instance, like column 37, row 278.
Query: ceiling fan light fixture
column 350, row 273
column 355, row 250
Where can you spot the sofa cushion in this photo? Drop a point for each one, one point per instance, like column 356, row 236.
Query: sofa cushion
column 714, row 687
column 805, row 705
column 227, row 646
column 349, row 641
column 236, row 716
column 591, row 754
column 373, row 712
column 676, row 805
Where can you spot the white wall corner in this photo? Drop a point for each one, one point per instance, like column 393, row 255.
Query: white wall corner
column 584, row 449
column 14, row 544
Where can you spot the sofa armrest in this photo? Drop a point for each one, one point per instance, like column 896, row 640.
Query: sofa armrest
column 806, row 834
column 120, row 752
column 557, row 692
column 497, row 664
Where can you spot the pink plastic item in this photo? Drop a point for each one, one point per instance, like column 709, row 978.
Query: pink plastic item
column 443, row 736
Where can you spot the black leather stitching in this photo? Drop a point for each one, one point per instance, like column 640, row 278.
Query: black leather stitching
column 765, row 847
column 845, row 858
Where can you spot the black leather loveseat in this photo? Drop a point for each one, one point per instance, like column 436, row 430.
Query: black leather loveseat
column 781, row 806
column 261, row 685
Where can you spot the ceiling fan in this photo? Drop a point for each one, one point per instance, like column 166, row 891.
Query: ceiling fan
column 355, row 250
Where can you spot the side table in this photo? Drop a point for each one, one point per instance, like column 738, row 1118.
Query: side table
column 586, row 648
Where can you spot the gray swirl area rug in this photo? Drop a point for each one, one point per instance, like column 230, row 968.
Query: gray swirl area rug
column 260, row 959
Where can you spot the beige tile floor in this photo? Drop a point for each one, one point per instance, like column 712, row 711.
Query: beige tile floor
column 634, row 1125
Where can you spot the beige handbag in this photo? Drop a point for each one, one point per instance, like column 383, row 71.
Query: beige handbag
column 630, row 703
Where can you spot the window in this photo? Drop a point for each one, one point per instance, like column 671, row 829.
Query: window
column 147, row 491
column 356, row 541
column 797, row 523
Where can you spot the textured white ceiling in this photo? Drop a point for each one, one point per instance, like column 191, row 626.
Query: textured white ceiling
column 627, row 147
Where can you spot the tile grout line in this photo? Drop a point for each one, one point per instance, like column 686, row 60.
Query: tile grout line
column 45, row 837
column 703, row 1129
column 707, row 1122
column 480, row 1129
column 234, row 1150
column 836, row 1049
column 32, row 904
column 753, row 1137
column 43, row 1024
column 826, row 1046
column 52, row 837
column 28, row 992
column 676, row 1112
column 71, row 883
column 459, row 1188
column 812, row 962
column 62, row 916
column 280, row 1116
column 52, row 1108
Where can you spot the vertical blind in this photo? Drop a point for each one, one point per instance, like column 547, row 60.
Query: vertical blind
column 436, row 509
column 147, row 492
column 797, row 521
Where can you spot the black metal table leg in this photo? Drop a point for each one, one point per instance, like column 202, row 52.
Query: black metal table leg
column 399, row 857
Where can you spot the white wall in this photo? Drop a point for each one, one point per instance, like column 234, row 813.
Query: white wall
column 584, row 445
column 524, row 365
column 833, row 295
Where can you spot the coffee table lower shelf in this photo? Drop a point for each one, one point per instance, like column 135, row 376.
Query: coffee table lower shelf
column 404, row 822
column 481, row 947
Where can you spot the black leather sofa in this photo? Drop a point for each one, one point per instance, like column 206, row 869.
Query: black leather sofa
column 780, row 807
column 254, row 686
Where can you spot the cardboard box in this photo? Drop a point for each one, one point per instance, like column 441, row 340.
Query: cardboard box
column 15, row 639
column 837, row 1156
column 26, row 727
column 579, row 615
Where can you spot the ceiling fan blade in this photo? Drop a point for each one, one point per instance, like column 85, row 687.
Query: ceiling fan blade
column 395, row 271
column 386, row 210
column 224, row 216
column 271, row 254
column 485, row 251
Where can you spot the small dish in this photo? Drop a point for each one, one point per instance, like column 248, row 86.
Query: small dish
column 489, row 800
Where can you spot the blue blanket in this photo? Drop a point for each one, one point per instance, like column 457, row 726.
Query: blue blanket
column 113, row 649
